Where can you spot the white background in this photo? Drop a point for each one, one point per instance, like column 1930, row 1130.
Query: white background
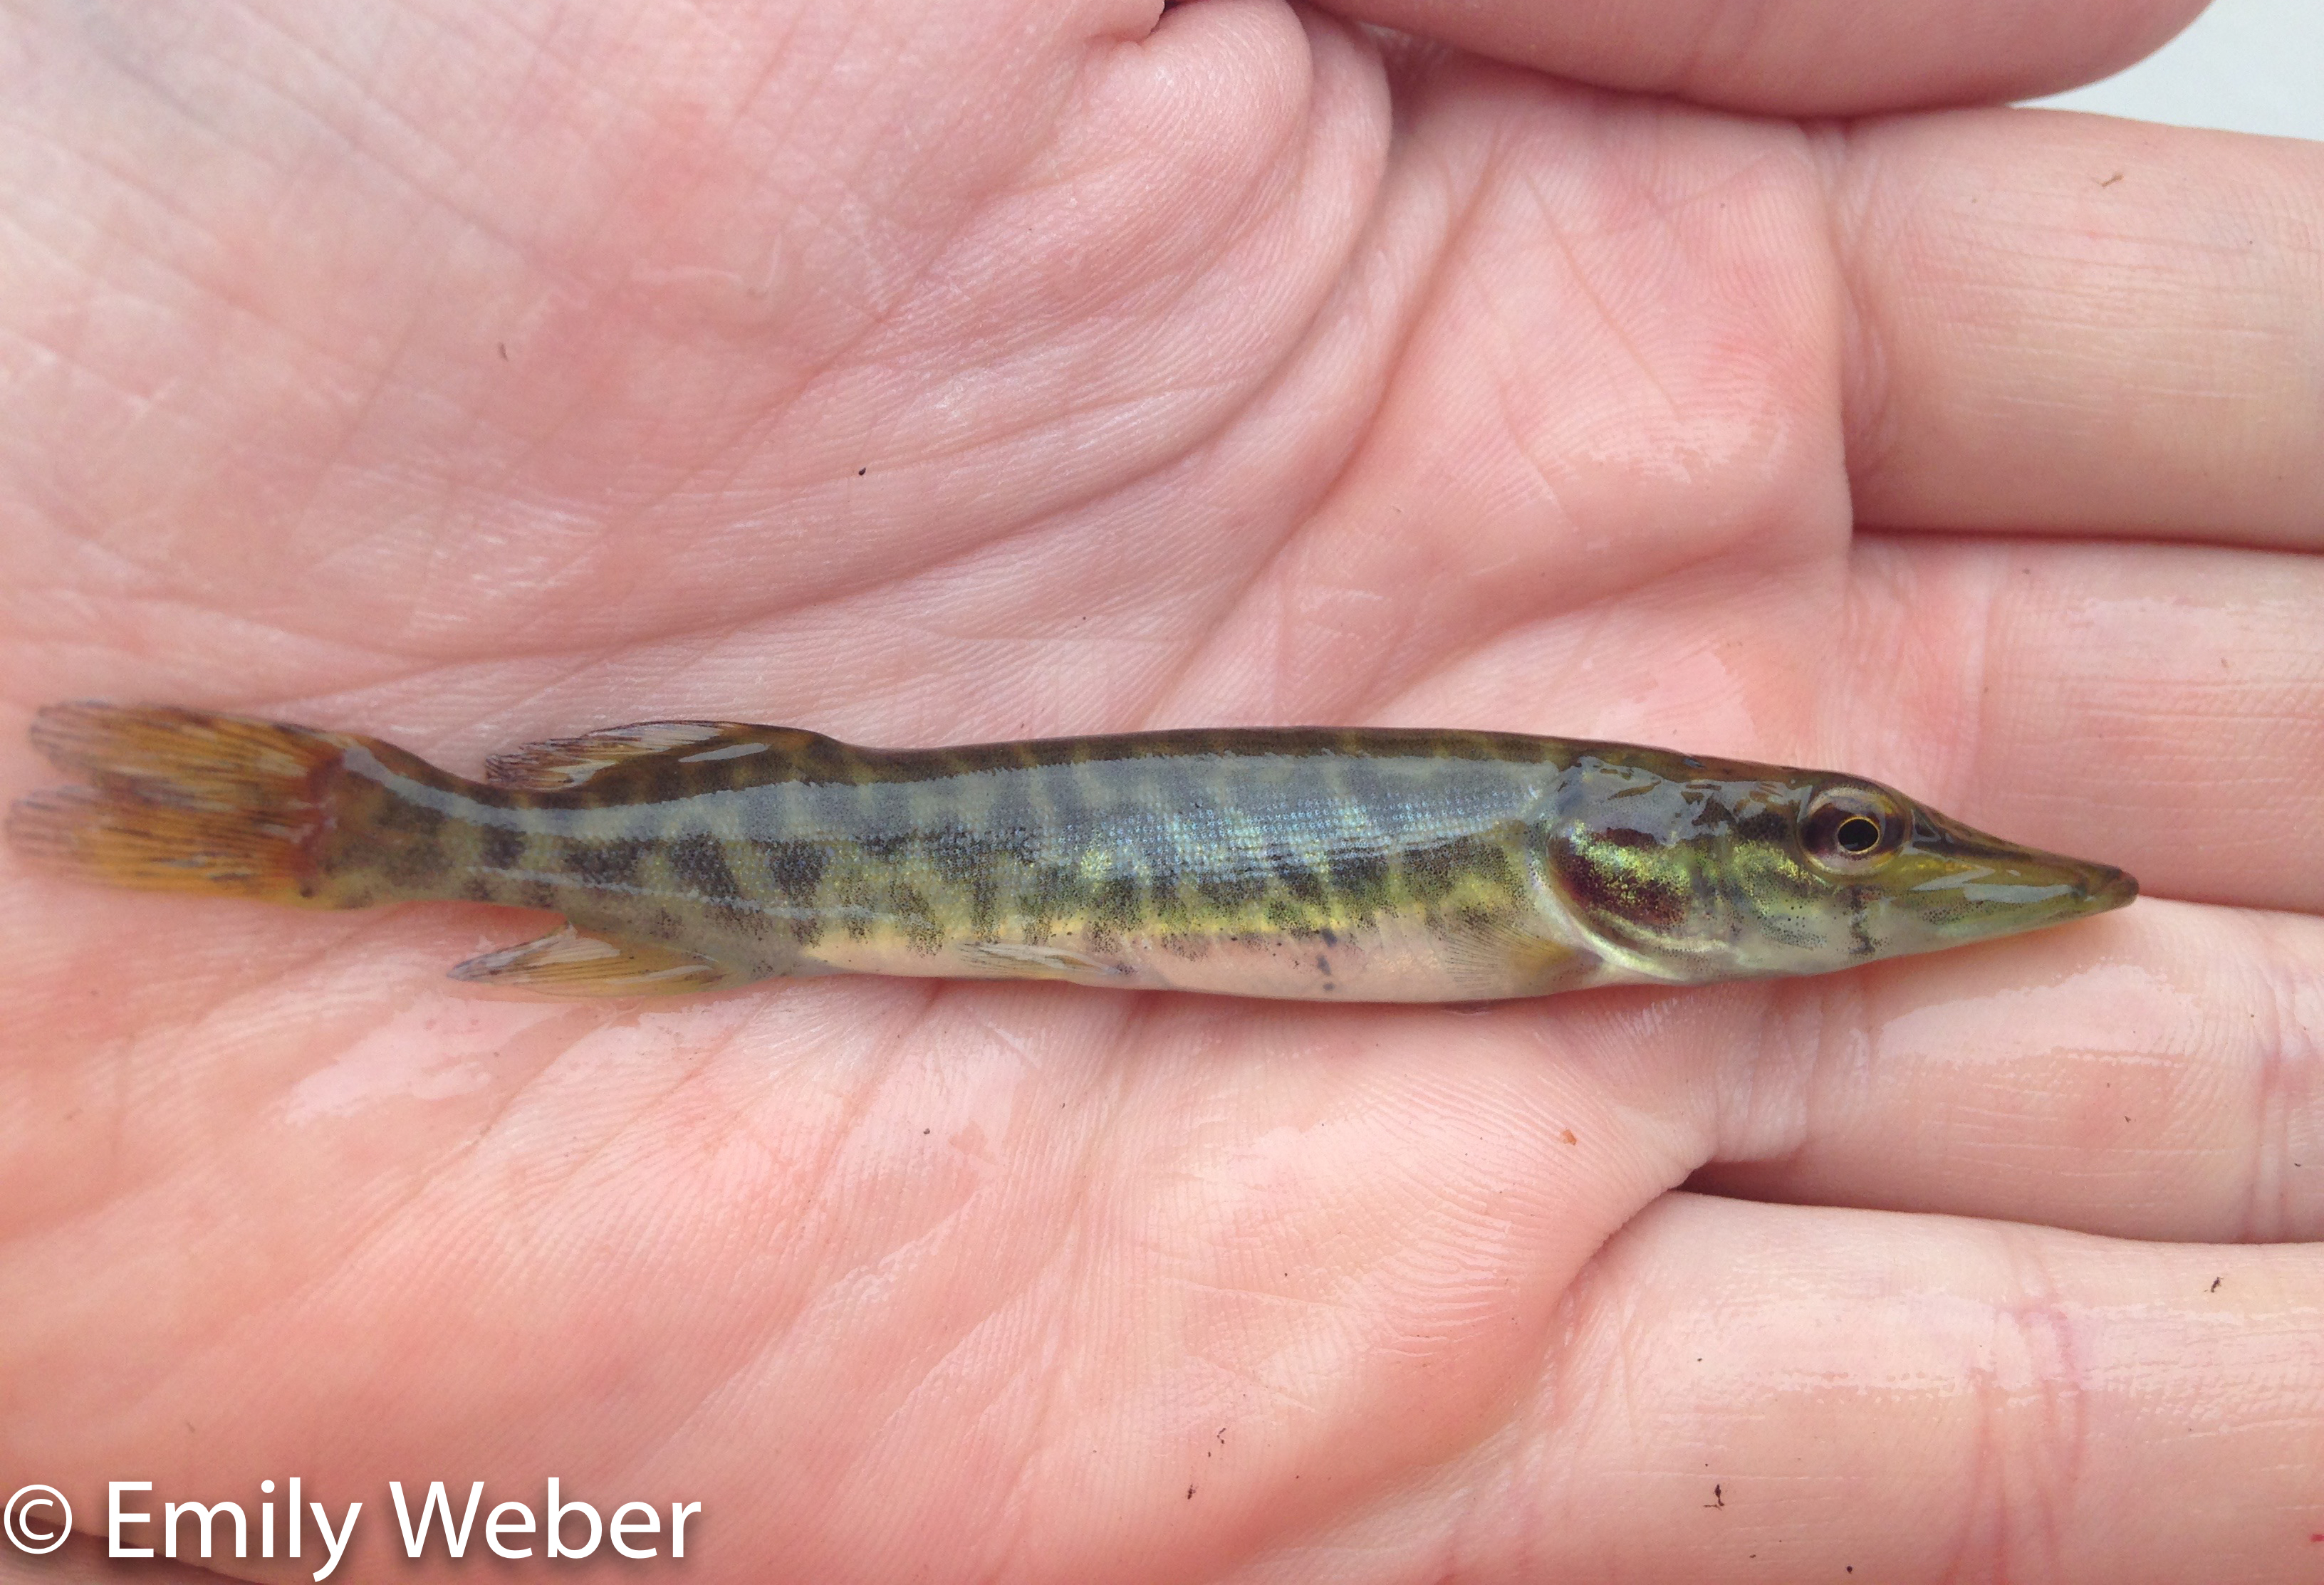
column 2244, row 66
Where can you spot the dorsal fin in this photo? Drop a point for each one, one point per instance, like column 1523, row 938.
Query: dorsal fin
column 565, row 762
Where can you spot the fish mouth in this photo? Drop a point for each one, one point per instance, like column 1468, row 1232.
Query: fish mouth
column 1977, row 885
column 2078, row 886
column 2107, row 888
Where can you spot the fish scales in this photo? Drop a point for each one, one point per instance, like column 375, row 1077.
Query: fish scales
column 1112, row 866
column 1359, row 864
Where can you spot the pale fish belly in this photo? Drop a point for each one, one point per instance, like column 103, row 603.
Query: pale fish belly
column 1396, row 959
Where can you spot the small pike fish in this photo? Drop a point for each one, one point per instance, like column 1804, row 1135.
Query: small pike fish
column 1356, row 865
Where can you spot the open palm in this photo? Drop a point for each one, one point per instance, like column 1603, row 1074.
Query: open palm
column 925, row 373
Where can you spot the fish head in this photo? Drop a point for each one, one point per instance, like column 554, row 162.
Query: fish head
column 1693, row 870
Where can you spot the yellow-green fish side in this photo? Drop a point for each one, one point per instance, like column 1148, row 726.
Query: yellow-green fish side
column 1366, row 865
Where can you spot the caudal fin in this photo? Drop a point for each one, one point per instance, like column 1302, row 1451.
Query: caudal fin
column 181, row 800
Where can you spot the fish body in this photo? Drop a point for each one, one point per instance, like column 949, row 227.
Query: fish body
column 1362, row 865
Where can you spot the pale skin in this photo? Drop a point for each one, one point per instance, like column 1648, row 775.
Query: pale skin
column 923, row 372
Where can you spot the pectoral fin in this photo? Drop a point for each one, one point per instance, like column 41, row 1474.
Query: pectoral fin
column 1493, row 956
column 576, row 962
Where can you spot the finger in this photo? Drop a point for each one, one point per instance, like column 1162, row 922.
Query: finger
column 2157, row 707
column 1747, row 1393
column 2161, row 706
column 2157, row 1075
column 2075, row 325
column 1804, row 57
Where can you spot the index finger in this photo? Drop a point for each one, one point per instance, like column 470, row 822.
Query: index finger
column 1804, row 57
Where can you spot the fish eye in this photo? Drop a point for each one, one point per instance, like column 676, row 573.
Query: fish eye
column 1849, row 829
column 1858, row 833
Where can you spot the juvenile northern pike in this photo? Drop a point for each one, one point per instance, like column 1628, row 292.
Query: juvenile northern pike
column 1359, row 865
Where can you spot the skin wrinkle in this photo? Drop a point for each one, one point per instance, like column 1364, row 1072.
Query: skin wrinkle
column 415, row 134
column 1588, row 1377
column 1271, row 577
column 1267, row 572
column 2034, row 1540
column 348, row 552
column 882, row 1059
column 1793, row 1035
column 71, row 355
column 1067, row 1259
column 1545, row 482
column 967, row 1338
column 1971, row 741
column 27, row 242
column 1014, row 1548
column 265, row 151
column 362, row 1237
column 1225, row 424
column 1868, row 420
column 2271, row 1213
column 830, row 592
column 73, row 624
column 1735, row 36
column 570, row 1173
column 1612, row 322
column 1599, row 613
column 1014, row 187
column 902, row 296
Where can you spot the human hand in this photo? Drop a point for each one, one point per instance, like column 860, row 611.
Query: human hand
column 920, row 373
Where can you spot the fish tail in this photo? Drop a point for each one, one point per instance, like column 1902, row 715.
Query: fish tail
column 182, row 800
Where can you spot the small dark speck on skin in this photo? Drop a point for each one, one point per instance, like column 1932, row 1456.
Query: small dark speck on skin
column 2110, row 181
column 1190, row 1493
column 503, row 352
column 2216, row 1282
column 860, row 472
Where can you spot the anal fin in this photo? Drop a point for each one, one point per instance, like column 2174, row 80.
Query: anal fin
column 1008, row 960
column 577, row 963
